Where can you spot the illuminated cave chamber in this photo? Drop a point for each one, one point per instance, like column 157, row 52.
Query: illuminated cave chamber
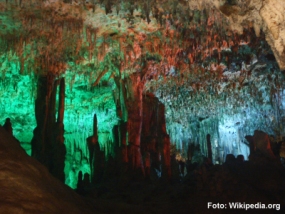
column 107, row 89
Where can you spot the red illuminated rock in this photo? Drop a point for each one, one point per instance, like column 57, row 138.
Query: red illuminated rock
column 262, row 143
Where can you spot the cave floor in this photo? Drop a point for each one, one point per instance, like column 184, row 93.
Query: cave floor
column 252, row 182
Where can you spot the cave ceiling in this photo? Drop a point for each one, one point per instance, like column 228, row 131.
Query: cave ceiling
column 205, row 60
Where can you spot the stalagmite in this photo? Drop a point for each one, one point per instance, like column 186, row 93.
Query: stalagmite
column 48, row 140
column 43, row 139
column 8, row 126
column 209, row 147
column 162, row 77
column 96, row 156
column 59, row 146
column 165, row 141
column 135, row 113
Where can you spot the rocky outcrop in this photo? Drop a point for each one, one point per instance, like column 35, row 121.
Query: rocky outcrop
column 282, row 150
column 260, row 142
column 272, row 13
column 266, row 15
column 27, row 187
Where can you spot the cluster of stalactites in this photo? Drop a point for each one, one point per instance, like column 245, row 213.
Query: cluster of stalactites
column 50, row 35
column 58, row 36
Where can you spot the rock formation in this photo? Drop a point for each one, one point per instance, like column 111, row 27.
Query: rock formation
column 27, row 186
column 164, row 79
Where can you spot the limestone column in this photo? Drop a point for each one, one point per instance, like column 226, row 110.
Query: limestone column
column 96, row 156
column 59, row 147
column 42, row 142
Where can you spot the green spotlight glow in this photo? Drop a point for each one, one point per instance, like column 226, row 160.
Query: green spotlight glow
column 17, row 99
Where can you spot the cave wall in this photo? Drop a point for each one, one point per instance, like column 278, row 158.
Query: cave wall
column 263, row 15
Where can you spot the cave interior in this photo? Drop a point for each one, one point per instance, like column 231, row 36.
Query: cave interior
column 150, row 105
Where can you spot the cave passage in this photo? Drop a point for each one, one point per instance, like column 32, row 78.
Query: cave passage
column 94, row 92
